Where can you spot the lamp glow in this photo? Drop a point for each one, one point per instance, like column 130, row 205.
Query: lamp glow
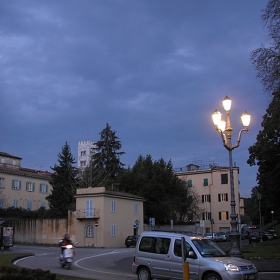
column 245, row 118
column 216, row 117
column 227, row 103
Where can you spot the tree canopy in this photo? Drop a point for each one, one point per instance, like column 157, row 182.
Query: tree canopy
column 266, row 151
column 267, row 59
column 166, row 196
column 106, row 163
column 63, row 182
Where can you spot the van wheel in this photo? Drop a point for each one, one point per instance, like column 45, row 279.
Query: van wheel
column 212, row 276
column 144, row 274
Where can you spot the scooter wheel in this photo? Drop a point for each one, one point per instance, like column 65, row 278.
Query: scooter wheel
column 68, row 266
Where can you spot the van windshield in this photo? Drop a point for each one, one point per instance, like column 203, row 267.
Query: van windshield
column 207, row 248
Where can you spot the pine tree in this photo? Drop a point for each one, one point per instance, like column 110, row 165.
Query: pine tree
column 106, row 163
column 63, row 182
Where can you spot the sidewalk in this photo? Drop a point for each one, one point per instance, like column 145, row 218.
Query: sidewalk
column 267, row 265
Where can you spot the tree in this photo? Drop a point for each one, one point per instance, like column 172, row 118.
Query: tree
column 266, row 151
column 63, row 181
column 166, row 196
column 106, row 164
column 267, row 60
column 266, row 154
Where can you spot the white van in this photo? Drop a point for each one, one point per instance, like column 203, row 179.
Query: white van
column 159, row 255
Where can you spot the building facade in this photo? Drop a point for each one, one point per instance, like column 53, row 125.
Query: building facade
column 22, row 187
column 212, row 187
column 106, row 217
column 85, row 152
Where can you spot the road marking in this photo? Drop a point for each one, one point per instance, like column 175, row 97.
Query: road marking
column 100, row 271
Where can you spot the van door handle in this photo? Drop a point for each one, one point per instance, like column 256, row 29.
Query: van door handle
column 168, row 257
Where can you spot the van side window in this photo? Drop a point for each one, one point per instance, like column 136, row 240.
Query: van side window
column 146, row 244
column 156, row 245
column 161, row 245
column 177, row 248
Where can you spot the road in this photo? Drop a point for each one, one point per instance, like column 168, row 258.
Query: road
column 93, row 263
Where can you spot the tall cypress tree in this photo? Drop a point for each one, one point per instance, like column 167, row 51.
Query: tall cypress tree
column 63, row 181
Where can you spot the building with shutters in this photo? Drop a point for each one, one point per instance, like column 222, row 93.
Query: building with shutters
column 106, row 217
column 211, row 183
column 22, row 187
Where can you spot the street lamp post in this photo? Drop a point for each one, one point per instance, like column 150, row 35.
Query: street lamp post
column 225, row 129
column 272, row 212
column 260, row 213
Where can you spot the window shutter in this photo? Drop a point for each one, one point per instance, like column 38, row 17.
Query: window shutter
column 227, row 215
column 220, row 215
column 226, row 197
column 202, row 198
column 209, row 198
column 26, row 186
column 219, row 197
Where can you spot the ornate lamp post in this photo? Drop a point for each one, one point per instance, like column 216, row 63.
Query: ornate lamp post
column 259, row 198
column 225, row 129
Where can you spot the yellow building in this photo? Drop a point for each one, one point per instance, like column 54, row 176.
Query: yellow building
column 22, row 187
column 106, row 217
column 212, row 187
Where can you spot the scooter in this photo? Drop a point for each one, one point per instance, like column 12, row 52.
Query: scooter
column 67, row 256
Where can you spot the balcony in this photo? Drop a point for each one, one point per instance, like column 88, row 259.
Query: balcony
column 88, row 214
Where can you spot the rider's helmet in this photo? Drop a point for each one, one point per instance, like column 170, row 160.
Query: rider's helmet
column 67, row 236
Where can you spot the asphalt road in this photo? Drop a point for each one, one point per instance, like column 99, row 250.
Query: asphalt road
column 93, row 263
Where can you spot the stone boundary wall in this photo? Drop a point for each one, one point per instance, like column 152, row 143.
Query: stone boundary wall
column 44, row 231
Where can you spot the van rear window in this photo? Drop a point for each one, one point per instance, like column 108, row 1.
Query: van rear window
column 155, row 245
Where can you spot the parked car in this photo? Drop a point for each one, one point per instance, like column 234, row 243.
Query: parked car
column 214, row 236
column 269, row 235
column 131, row 240
column 273, row 231
column 159, row 255
column 255, row 236
column 223, row 236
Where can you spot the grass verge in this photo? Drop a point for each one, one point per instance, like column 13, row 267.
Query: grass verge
column 7, row 259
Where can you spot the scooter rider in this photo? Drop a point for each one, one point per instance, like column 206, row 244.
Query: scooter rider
column 66, row 241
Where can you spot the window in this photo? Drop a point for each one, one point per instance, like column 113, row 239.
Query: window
column 189, row 183
column 135, row 208
column 43, row 188
column 206, row 216
column 157, row 245
column 89, row 231
column 16, row 185
column 223, row 215
column 222, row 197
column 28, row 205
column 205, row 182
column 178, row 250
column 89, row 208
column 41, row 204
column 30, row 187
column 83, row 163
column 224, row 178
column 113, row 206
column 83, row 153
column 2, row 183
column 2, row 202
column 206, row 198
column 15, row 203
column 113, row 230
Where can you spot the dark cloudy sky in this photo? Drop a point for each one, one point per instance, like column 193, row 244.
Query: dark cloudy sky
column 155, row 70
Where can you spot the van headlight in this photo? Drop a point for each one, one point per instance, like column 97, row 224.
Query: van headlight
column 231, row 267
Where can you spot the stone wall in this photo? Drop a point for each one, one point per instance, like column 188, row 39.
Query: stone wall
column 44, row 231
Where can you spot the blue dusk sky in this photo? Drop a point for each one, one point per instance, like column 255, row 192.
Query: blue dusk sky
column 155, row 70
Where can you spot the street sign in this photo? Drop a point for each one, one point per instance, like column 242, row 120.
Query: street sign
column 96, row 224
column 137, row 223
column 152, row 222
